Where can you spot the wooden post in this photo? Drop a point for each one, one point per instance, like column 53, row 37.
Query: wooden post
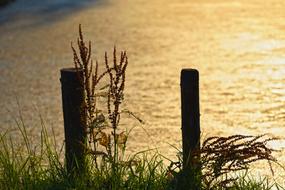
column 74, row 119
column 190, row 119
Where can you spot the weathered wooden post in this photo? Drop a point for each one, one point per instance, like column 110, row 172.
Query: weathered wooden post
column 190, row 120
column 74, row 119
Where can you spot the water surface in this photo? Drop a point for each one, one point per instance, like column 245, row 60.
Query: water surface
column 237, row 46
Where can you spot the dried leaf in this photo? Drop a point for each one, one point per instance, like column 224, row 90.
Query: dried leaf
column 122, row 139
column 104, row 140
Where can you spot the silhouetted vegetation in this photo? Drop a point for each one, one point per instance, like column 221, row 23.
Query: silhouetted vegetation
column 28, row 166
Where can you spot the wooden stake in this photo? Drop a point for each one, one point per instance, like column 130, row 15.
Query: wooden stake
column 74, row 119
column 190, row 120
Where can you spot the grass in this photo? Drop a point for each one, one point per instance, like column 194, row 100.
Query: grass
column 40, row 167
column 25, row 165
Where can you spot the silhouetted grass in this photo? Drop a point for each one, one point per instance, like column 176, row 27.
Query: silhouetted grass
column 25, row 165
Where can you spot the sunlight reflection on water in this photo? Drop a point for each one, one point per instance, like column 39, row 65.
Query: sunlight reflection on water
column 238, row 47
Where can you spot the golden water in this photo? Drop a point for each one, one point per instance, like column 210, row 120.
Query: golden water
column 237, row 46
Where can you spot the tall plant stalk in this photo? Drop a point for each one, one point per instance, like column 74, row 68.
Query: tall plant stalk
column 101, row 143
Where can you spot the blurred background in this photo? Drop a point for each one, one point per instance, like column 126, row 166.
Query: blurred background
column 238, row 46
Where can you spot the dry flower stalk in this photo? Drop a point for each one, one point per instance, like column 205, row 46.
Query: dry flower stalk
column 101, row 142
column 220, row 157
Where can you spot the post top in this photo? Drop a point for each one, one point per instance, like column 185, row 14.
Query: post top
column 189, row 70
column 189, row 76
column 70, row 69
